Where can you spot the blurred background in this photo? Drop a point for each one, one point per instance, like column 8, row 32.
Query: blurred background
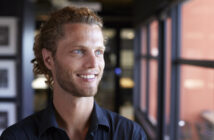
column 159, row 63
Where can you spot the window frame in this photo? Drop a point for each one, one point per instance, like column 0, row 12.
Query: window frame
column 176, row 62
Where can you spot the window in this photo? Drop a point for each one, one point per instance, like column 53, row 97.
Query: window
column 154, row 38
column 168, row 77
column 178, row 50
column 153, row 72
column 196, row 101
column 153, row 77
column 197, row 29
column 149, row 70
column 196, row 83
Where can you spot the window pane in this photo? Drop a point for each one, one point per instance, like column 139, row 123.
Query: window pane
column 143, row 85
column 153, row 77
column 168, row 77
column 196, row 103
column 197, row 30
column 143, row 41
column 154, row 38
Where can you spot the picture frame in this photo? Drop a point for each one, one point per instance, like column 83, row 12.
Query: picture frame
column 7, row 115
column 7, row 79
column 8, row 35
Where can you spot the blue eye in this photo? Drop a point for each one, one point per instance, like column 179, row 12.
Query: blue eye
column 98, row 52
column 78, row 51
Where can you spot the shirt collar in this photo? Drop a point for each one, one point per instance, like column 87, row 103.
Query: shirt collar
column 98, row 118
column 47, row 119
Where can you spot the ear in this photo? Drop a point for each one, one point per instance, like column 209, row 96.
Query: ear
column 47, row 58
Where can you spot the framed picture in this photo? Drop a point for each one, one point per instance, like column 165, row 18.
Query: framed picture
column 7, row 79
column 8, row 34
column 7, row 115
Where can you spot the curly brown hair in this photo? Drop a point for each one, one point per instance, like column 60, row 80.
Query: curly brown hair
column 52, row 31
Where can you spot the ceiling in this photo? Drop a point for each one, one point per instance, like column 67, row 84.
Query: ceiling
column 112, row 11
column 107, row 5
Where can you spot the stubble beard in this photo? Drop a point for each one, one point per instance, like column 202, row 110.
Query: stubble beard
column 67, row 83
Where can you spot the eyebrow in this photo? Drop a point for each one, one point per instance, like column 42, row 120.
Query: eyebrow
column 82, row 46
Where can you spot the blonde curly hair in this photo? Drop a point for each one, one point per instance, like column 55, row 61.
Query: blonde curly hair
column 51, row 32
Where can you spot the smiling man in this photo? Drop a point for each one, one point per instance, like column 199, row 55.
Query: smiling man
column 69, row 51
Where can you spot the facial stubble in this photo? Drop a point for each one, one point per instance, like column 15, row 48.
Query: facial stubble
column 67, row 82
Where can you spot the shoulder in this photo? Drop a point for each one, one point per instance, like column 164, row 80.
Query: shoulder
column 22, row 129
column 117, row 120
column 122, row 126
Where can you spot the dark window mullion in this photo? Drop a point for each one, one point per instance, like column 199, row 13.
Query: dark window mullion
column 149, row 57
column 175, row 73
column 161, row 78
column 201, row 63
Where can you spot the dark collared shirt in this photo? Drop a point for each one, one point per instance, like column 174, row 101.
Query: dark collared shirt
column 105, row 125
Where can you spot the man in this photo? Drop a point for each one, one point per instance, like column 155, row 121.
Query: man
column 69, row 51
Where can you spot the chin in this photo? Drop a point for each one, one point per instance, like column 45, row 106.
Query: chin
column 90, row 93
column 85, row 92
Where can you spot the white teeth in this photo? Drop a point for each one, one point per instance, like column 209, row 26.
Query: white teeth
column 87, row 76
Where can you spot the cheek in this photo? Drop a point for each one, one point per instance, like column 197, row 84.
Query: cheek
column 65, row 68
column 102, row 63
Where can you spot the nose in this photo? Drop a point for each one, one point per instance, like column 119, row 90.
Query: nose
column 91, row 61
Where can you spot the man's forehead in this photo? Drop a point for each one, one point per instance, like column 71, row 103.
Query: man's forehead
column 79, row 34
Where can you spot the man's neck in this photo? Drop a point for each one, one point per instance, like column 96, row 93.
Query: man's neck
column 73, row 113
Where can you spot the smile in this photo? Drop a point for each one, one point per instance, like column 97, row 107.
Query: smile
column 88, row 76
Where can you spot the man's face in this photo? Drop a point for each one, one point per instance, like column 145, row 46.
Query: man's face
column 79, row 60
